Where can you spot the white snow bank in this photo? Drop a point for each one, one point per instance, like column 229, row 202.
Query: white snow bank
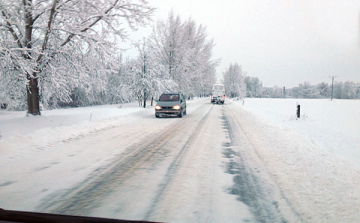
column 15, row 122
column 333, row 125
column 21, row 133
column 314, row 159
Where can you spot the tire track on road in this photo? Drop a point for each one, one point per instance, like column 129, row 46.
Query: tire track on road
column 88, row 194
column 176, row 163
column 251, row 188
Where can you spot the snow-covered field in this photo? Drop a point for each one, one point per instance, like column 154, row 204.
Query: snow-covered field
column 332, row 125
column 314, row 160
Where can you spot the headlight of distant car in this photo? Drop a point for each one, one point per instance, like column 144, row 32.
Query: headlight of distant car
column 157, row 107
column 176, row 107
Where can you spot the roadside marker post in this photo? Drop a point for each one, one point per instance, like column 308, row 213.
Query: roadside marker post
column 298, row 111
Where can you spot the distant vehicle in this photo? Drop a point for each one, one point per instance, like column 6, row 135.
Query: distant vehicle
column 171, row 104
column 218, row 94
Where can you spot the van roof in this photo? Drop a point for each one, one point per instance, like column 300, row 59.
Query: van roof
column 171, row 93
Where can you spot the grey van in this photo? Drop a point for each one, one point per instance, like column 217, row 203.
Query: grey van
column 171, row 104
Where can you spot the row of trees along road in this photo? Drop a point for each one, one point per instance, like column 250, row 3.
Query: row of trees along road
column 234, row 81
column 341, row 90
column 177, row 56
column 62, row 41
column 67, row 53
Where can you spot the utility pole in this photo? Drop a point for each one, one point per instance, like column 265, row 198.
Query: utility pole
column 332, row 86
column 284, row 92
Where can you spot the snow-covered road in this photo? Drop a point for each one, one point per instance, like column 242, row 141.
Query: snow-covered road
column 172, row 170
column 219, row 163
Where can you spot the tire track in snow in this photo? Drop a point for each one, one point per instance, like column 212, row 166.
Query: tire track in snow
column 171, row 171
column 263, row 196
column 87, row 195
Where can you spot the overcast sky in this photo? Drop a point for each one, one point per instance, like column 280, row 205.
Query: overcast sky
column 282, row 42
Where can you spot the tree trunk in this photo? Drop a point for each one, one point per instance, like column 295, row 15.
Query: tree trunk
column 152, row 100
column 145, row 98
column 139, row 100
column 33, row 99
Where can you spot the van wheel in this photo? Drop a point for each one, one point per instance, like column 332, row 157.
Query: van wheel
column 185, row 112
column 180, row 115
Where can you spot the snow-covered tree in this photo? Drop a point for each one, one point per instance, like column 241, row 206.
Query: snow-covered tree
column 324, row 90
column 12, row 92
column 55, row 41
column 200, row 68
column 148, row 81
column 253, row 87
column 119, row 82
column 184, row 54
column 346, row 90
column 234, row 81
column 273, row 92
column 306, row 90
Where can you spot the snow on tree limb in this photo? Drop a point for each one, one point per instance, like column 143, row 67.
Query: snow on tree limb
column 234, row 81
column 11, row 30
column 185, row 55
column 54, row 36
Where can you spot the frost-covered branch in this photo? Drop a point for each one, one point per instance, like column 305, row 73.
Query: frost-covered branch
column 43, row 39
column 9, row 26
column 47, row 32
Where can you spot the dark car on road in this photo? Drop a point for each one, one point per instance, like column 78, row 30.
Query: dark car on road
column 171, row 104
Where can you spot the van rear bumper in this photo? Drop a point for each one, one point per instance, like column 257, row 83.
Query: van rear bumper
column 217, row 100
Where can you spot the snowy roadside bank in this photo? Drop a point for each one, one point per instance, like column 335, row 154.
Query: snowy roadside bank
column 321, row 184
column 332, row 125
column 16, row 122
column 21, row 133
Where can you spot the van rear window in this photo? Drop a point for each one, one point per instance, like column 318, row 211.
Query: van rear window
column 169, row 97
column 218, row 87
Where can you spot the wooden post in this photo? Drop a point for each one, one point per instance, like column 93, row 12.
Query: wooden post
column 298, row 111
